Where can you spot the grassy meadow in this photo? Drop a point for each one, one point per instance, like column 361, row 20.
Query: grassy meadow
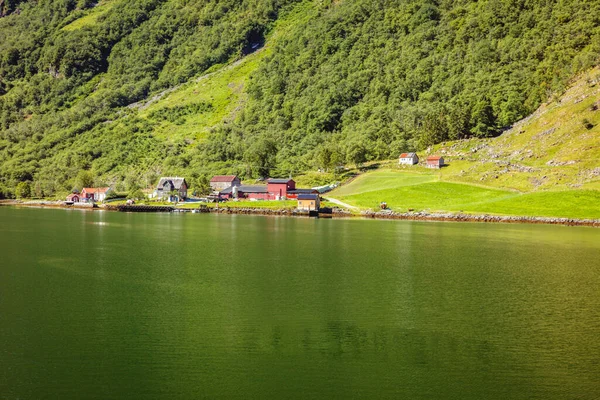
column 425, row 191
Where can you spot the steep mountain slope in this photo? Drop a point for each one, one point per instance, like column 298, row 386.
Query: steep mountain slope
column 129, row 90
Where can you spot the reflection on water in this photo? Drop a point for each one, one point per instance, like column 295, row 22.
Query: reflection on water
column 109, row 305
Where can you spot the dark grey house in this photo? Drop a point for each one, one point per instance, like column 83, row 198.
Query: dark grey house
column 171, row 189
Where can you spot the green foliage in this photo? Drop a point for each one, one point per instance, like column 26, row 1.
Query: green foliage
column 113, row 194
column 261, row 157
column 201, row 185
column 136, row 194
column 23, row 190
column 84, row 179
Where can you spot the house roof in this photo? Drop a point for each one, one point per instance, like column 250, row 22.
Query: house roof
column 223, row 178
column 246, row 189
column 433, row 158
column 175, row 182
column 279, row 180
column 95, row 190
column 302, row 191
column 408, row 155
column 72, row 195
column 308, row 197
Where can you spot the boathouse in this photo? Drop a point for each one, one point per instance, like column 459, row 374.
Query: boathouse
column 220, row 182
column 435, row 162
column 408, row 159
column 309, row 202
column 74, row 197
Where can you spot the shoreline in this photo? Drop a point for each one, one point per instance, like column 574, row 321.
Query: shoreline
column 337, row 213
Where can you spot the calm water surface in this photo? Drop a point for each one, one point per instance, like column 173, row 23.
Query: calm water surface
column 98, row 305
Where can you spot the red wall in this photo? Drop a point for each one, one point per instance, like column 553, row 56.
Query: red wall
column 260, row 196
column 277, row 189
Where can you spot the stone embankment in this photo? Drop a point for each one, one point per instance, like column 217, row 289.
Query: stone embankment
column 290, row 212
column 47, row 203
column 425, row 216
column 258, row 211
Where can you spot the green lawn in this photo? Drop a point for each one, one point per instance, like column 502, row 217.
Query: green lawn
column 382, row 180
column 566, row 204
column 405, row 190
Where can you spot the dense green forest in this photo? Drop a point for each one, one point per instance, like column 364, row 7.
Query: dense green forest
column 340, row 82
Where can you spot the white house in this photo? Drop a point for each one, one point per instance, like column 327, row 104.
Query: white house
column 94, row 194
column 408, row 159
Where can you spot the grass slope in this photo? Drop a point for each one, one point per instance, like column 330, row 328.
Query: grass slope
column 222, row 90
column 406, row 190
column 92, row 16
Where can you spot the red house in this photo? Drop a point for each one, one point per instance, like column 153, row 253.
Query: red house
column 435, row 162
column 278, row 188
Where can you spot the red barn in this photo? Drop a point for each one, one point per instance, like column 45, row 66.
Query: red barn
column 73, row 197
column 278, row 188
column 435, row 162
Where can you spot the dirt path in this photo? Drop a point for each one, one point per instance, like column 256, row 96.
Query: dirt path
column 340, row 203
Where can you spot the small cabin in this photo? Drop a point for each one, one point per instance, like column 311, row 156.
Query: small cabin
column 309, row 202
column 435, row 162
column 408, row 159
column 73, row 197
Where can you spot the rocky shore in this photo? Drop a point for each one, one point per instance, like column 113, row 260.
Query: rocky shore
column 417, row 216
column 424, row 216
column 47, row 203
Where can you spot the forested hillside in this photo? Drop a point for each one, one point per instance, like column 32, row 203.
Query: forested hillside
column 338, row 82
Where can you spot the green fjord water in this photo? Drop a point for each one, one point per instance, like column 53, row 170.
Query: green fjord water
column 99, row 305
